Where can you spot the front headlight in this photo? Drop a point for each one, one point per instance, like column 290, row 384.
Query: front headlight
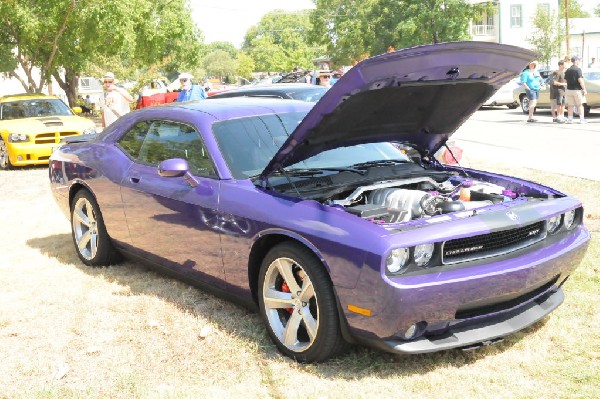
column 423, row 254
column 18, row 138
column 397, row 260
column 90, row 130
column 553, row 224
column 569, row 219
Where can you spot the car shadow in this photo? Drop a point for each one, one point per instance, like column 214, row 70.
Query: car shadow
column 357, row 362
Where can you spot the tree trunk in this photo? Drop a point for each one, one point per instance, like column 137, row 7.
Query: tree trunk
column 70, row 84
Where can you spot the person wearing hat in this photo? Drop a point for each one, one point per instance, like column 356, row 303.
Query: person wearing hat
column 531, row 80
column 324, row 79
column 575, row 90
column 115, row 102
column 189, row 91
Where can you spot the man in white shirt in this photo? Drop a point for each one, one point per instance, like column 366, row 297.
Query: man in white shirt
column 115, row 102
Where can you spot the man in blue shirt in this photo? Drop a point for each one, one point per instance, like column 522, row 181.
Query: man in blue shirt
column 532, row 82
column 189, row 91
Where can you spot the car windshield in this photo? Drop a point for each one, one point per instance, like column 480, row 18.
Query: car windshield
column 312, row 95
column 33, row 108
column 249, row 144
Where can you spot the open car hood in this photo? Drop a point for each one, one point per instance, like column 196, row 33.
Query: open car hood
column 418, row 96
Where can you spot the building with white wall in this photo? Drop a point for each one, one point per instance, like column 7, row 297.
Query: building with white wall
column 511, row 23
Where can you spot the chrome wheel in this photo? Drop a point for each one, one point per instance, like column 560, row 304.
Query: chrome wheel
column 290, row 304
column 297, row 303
column 93, row 245
column 85, row 229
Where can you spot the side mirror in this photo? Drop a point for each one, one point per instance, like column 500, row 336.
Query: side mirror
column 177, row 167
column 77, row 110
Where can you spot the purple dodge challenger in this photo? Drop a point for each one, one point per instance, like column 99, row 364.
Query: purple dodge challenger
column 335, row 220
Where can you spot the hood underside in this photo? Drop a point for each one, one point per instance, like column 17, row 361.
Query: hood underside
column 419, row 96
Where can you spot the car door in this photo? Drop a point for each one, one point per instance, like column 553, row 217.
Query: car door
column 166, row 216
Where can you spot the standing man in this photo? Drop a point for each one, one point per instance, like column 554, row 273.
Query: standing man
column 531, row 81
column 115, row 102
column 558, row 86
column 189, row 91
column 593, row 63
column 575, row 90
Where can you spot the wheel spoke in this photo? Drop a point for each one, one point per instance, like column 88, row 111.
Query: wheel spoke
column 84, row 240
column 81, row 217
column 285, row 269
column 308, row 291
column 278, row 300
column 310, row 323
column 93, row 243
column 290, row 335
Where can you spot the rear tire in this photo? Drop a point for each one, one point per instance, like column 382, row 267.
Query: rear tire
column 298, row 305
column 92, row 243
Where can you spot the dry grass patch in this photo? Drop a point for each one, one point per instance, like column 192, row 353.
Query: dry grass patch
column 70, row 331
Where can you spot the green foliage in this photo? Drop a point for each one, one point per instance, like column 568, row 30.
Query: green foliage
column 224, row 46
column 575, row 9
column 597, row 10
column 220, row 63
column 546, row 38
column 279, row 42
column 245, row 65
column 71, row 35
column 353, row 29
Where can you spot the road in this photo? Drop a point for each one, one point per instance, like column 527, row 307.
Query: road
column 503, row 135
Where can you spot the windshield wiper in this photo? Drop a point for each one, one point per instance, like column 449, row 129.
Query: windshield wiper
column 316, row 171
column 382, row 162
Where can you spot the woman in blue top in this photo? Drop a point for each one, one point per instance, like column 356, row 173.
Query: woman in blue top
column 532, row 82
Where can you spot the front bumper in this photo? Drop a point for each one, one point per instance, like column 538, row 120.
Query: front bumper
column 483, row 333
column 462, row 307
column 23, row 154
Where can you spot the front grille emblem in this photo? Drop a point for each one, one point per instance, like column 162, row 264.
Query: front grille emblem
column 512, row 216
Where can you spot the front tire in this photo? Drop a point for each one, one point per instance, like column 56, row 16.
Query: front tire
column 298, row 305
column 525, row 104
column 4, row 160
column 92, row 243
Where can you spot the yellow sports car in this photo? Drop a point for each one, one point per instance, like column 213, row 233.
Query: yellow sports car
column 32, row 124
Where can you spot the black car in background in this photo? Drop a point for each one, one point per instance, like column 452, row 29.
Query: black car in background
column 292, row 91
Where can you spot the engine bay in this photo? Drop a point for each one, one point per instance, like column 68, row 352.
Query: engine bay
column 409, row 191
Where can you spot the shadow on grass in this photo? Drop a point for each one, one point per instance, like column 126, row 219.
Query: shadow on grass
column 358, row 362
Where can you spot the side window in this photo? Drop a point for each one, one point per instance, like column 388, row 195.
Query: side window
column 132, row 141
column 165, row 140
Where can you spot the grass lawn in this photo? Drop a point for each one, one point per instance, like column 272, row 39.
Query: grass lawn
column 69, row 331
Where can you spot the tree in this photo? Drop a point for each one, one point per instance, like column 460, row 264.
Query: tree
column 575, row 9
column 245, row 65
column 351, row 29
column 64, row 37
column 546, row 38
column 597, row 10
column 279, row 42
column 220, row 63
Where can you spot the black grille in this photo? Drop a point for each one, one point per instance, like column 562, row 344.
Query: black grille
column 462, row 314
column 492, row 244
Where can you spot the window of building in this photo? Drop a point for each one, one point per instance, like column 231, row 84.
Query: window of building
column 516, row 16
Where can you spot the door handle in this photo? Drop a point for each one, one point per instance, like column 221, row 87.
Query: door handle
column 134, row 179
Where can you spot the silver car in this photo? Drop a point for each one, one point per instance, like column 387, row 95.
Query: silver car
column 592, row 85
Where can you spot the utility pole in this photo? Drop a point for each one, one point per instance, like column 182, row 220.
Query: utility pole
column 567, row 27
